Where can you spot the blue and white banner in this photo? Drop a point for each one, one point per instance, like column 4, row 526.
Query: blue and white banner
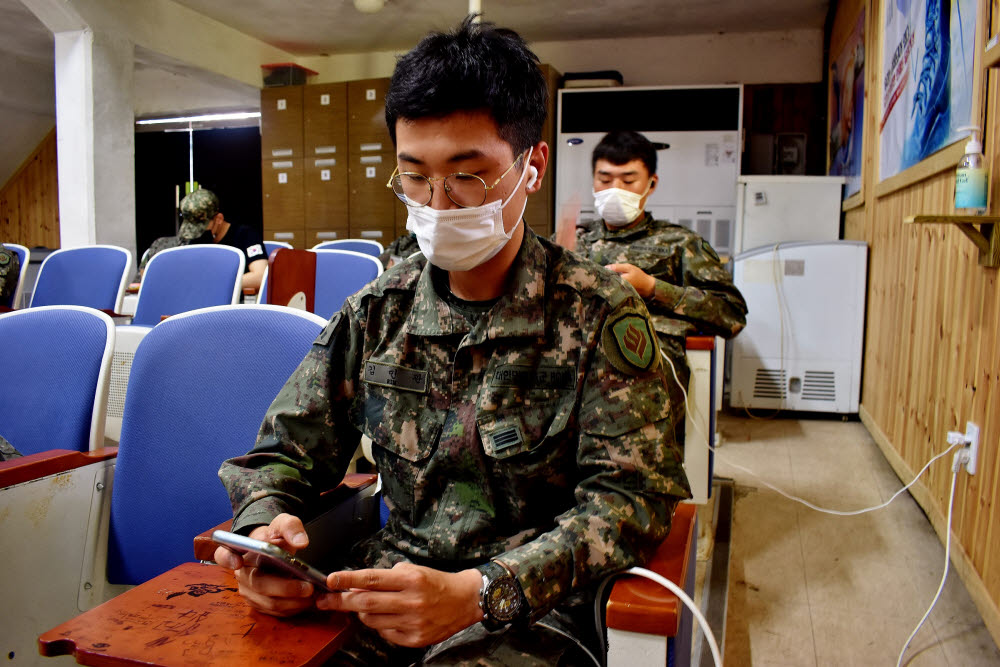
column 927, row 77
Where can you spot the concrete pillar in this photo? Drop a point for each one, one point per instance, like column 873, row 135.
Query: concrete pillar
column 95, row 129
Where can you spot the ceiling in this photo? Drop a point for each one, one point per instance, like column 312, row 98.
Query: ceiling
column 317, row 27
column 327, row 27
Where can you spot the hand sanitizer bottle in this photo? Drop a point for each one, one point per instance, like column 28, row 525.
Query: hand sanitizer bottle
column 971, row 178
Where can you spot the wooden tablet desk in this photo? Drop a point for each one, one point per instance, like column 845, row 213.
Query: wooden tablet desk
column 193, row 616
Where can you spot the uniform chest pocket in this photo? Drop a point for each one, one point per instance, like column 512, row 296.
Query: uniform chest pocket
column 524, row 429
column 398, row 423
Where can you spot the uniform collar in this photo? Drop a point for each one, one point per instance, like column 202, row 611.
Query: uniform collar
column 606, row 232
column 518, row 312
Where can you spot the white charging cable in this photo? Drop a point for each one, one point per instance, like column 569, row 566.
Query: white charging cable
column 673, row 588
column 947, row 561
column 953, row 442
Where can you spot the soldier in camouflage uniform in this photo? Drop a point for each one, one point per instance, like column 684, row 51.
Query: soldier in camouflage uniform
column 202, row 222
column 516, row 402
column 676, row 272
column 10, row 272
column 398, row 250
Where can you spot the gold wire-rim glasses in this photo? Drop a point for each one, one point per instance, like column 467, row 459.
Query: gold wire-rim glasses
column 396, row 176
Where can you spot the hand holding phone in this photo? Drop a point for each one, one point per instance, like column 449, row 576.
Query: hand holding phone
column 257, row 553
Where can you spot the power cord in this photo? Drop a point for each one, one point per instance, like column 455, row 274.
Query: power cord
column 947, row 559
column 953, row 442
column 673, row 588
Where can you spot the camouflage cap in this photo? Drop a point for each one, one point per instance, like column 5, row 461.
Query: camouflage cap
column 197, row 210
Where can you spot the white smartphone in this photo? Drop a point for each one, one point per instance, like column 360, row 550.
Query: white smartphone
column 256, row 553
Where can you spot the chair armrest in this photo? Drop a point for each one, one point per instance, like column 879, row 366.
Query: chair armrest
column 204, row 546
column 640, row 605
column 52, row 462
column 700, row 343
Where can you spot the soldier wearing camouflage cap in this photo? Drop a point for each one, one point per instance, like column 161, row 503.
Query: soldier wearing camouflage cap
column 10, row 273
column 677, row 273
column 203, row 222
column 513, row 393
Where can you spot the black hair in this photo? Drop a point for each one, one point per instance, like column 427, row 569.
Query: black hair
column 475, row 67
column 622, row 146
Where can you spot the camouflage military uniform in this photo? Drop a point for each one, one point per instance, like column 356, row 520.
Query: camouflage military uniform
column 197, row 210
column 539, row 433
column 10, row 272
column 400, row 249
column 693, row 292
column 7, row 451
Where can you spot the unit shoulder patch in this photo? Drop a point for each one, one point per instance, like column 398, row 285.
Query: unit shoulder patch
column 629, row 343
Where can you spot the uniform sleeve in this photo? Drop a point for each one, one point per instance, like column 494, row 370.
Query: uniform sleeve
column 307, row 438
column 631, row 474
column 707, row 297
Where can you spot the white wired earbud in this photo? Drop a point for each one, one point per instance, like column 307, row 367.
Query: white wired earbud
column 532, row 175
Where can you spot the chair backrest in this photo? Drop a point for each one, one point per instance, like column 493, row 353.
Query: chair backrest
column 23, row 257
column 186, row 278
column 94, row 276
column 200, row 385
column 295, row 279
column 271, row 246
column 58, row 359
column 366, row 246
column 339, row 274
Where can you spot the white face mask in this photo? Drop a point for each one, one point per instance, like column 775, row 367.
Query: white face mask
column 460, row 239
column 619, row 207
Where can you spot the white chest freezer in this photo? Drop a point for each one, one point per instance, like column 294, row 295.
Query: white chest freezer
column 802, row 346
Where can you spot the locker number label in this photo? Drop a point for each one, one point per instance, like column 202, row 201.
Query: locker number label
column 282, row 177
column 369, row 172
column 324, row 174
column 370, row 94
column 282, row 104
column 324, row 100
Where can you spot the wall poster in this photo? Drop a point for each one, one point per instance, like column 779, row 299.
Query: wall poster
column 927, row 79
column 847, row 104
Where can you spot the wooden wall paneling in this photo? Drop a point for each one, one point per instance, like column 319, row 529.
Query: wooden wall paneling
column 29, row 201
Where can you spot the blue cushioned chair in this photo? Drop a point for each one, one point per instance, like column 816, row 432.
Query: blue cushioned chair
column 200, row 385
column 23, row 257
column 58, row 358
column 186, row 278
column 366, row 246
column 93, row 276
column 339, row 274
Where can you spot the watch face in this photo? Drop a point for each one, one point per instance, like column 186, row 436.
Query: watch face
column 503, row 599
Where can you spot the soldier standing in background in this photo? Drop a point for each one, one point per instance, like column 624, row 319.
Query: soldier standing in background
column 513, row 392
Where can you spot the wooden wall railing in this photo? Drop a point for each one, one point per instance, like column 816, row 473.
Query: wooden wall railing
column 932, row 339
column 29, row 201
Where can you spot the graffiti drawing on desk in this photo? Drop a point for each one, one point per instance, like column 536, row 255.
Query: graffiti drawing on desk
column 197, row 590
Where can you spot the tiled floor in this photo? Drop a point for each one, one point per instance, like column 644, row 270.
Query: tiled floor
column 811, row 589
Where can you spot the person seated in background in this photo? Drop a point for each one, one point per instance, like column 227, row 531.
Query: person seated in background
column 203, row 222
column 10, row 273
column 513, row 393
column 398, row 250
column 676, row 272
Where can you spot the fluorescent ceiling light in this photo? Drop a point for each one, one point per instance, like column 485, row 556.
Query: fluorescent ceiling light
column 201, row 119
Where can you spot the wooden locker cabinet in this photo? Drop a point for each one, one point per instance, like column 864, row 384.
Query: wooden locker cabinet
column 281, row 122
column 282, row 194
column 366, row 111
column 326, row 194
column 325, row 120
column 296, row 236
column 372, row 205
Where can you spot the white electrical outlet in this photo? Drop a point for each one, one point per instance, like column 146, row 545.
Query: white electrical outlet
column 972, row 438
